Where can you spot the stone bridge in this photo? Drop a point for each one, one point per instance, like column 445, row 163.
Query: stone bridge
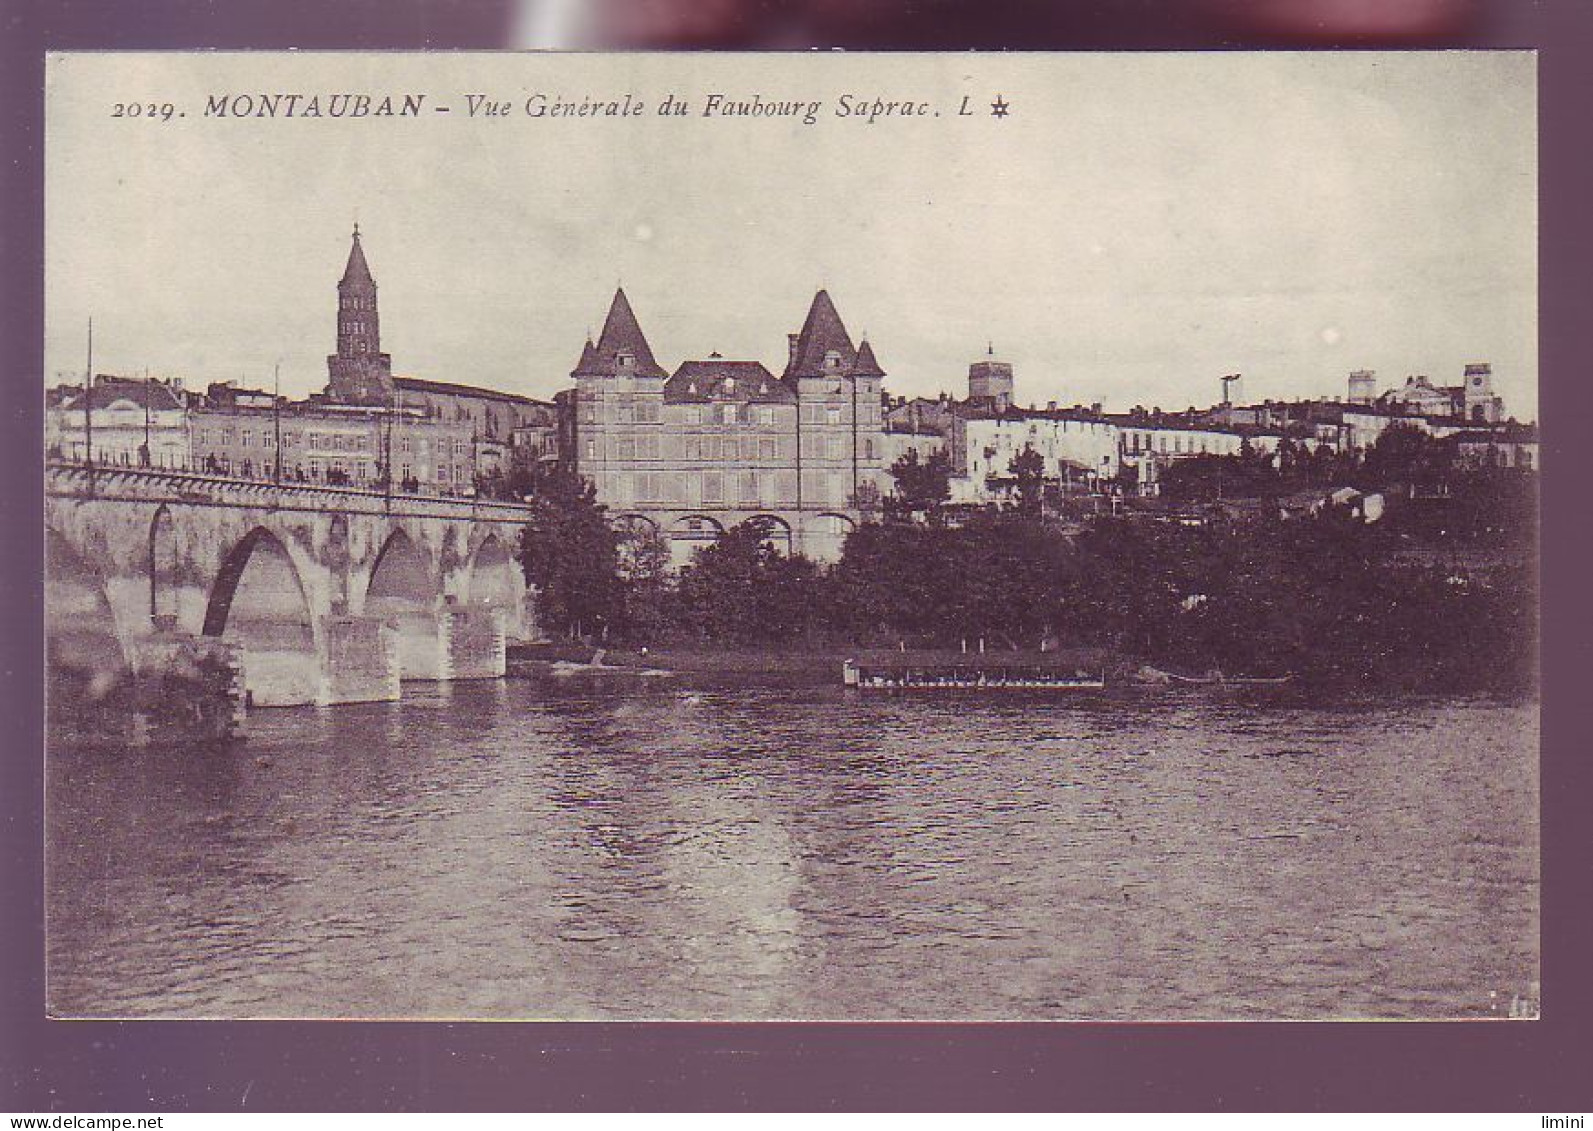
column 323, row 595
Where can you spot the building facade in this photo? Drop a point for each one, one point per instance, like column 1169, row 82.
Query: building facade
column 719, row 441
column 241, row 432
column 131, row 422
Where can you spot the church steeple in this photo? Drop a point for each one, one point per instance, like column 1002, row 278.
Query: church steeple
column 357, row 271
column 360, row 372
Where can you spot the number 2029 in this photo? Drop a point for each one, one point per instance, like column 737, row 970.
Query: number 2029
column 164, row 111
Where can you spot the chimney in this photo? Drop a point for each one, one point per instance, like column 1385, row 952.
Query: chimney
column 1050, row 406
column 791, row 345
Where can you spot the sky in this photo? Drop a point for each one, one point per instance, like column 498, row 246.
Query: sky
column 1133, row 228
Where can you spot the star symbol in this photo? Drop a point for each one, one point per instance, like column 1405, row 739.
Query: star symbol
column 998, row 108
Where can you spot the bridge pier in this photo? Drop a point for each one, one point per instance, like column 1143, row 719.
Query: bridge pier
column 477, row 642
column 361, row 663
column 456, row 642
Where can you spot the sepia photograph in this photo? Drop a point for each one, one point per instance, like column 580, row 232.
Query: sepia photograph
column 792, row 537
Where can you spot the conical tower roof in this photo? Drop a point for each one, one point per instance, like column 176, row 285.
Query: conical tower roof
column 822, row 332
column 621, row 334
column 357, row 271
column 588, row 359
column 865, row 365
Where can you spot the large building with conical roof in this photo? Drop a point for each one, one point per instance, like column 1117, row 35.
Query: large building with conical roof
column 719, row 442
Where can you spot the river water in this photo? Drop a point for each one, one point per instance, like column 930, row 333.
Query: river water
column 518, row 849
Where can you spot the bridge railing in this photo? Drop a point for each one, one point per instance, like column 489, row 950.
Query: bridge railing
column 267, row 473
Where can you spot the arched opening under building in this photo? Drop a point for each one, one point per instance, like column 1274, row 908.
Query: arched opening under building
column 690, row 534
column 825, row 536
column 258, row 606
column 775, row 530
column 635, row 524
column 403, row 595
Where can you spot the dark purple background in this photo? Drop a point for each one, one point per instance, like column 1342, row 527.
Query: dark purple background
column 159, row 1066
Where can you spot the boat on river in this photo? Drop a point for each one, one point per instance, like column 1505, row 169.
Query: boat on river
column 965, row 672
column 1218, row 679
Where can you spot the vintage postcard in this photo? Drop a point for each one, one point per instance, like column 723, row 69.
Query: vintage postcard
column 786, row 537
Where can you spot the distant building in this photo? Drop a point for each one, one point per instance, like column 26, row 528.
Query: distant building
column 495, row 420
column 1363, row 387
column 247, row 433
column 136, row 423
column 1472, row 401
column 897, row 444
column 1079, row 451
column 360, row 372
column 1511, row 445
column 990, row 382
column 1082, row 449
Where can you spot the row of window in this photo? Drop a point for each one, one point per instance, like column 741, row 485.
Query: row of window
column 328, row 441
column 1192, row 444
column 647, row 412
column 731, row 448
column 743, row 488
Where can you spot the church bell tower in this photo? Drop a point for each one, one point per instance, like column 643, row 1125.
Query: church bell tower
column 359, row 372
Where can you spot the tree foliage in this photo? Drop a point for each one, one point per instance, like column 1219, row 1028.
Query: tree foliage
column 570, row 554
column 742, row 589
column 1328, row 597
column 1028, row 468
column 923, row 487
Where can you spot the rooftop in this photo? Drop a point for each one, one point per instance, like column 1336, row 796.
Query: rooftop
column 622, row 334
column 717, row 378
column 449, row 388
column 108, row 389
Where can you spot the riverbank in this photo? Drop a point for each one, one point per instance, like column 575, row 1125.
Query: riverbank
column 821, row 667
column 823, row 663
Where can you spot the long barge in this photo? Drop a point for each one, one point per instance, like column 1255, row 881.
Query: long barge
column 971, row 672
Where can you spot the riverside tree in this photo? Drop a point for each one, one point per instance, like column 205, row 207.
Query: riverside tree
column 569, row 553
column 743, row 590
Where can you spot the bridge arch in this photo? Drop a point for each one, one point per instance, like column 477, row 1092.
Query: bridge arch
column 401, row 575
column 163, row 568
column 80, row 628
column 259, row 605
column 402, row 592
column 491, row 579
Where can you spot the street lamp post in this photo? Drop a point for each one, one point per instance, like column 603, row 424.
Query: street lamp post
column 88, row 408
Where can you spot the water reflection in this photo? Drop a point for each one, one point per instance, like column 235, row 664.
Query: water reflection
column 511, row 850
